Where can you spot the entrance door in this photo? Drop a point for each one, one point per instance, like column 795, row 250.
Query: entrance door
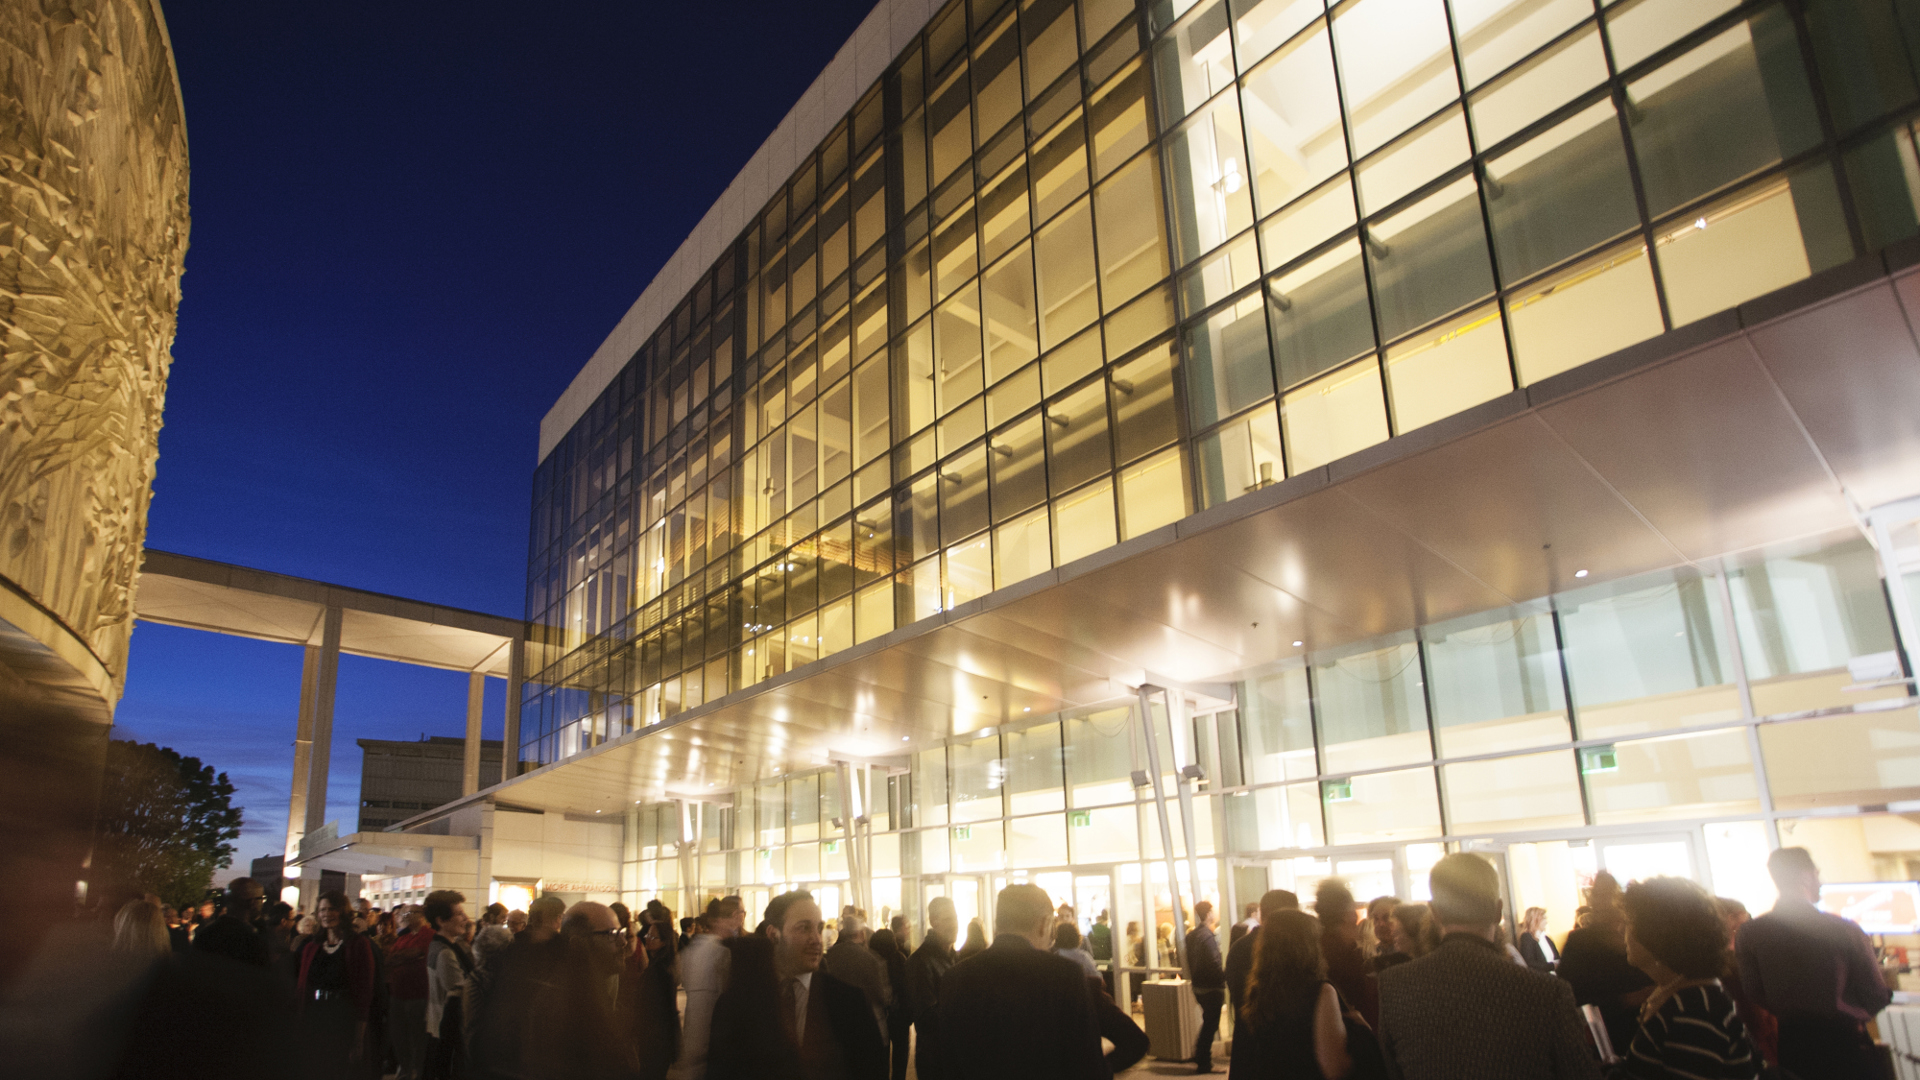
column 969, row 894
column 1637, row 858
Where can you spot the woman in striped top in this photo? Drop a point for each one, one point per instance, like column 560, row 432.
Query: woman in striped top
column 1689, row 1028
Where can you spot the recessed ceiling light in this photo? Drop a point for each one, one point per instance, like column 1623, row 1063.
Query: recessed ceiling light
column 1579, row 573
column 1027, row 709
column 1297, row 644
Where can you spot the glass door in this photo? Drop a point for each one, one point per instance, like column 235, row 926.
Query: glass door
column 1637, row 858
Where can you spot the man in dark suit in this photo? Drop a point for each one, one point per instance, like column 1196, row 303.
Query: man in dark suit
column 1209, row 981
column 925, row 969
column 1240, row 954
column 827, row 1021
column 235, row 934
column 1015, row 1010
column 1466, row 1009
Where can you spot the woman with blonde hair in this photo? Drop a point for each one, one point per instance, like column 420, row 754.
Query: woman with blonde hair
column 140, row 929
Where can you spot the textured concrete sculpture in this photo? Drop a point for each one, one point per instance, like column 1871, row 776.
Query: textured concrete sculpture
column 93, row 230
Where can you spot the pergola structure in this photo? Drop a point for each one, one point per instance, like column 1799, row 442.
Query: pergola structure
column 328, row 620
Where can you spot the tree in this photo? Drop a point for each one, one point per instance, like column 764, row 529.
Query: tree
column 166, row 824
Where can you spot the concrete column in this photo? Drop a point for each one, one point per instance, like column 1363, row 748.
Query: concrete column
column 470, row 761
column 516, row 678
column 302, row 755
column 326, row 677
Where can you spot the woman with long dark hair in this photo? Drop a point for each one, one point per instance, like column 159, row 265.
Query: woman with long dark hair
column 1292, row 1024
column 976, row 942
column 336, row 976
column 648, row 992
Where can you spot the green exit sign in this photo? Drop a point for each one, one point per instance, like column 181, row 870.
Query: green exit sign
column 1599, row 759
column 963, row 832
column 833, row 847
column 1080, row 819
column 1336, row 790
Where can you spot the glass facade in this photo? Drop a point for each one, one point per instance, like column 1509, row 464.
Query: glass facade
column 1596, row 729
column 1073, row 271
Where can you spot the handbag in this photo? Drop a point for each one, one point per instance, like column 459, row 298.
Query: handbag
column 1363, row 1046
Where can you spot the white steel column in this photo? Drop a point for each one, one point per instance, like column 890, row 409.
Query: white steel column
column 302, row 756
column 1145, row 697
column 327, row 674
column 470, row 758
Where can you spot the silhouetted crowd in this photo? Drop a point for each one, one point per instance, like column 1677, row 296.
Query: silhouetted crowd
column 1659, row 980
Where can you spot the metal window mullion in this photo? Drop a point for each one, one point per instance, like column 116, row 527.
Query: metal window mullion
column 1566, row 705
column 1366, row 269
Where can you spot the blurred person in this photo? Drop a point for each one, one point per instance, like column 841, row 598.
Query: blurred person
column 277, row 928
column 543, row 918
column 140, row 929
column 516, row 921
column 1465, row 1010
column 1594, row 962
column 1293, row 1022
column 1347, row 969
column 1689, row 1027
column 1249, row 918
column 407, row 991
column 448, row 966
column 491, row 938
column 926, row 969
column 335, row 985
column 1066, row 945
column 623, row 916
column 902, row 933
column 976, row 942
column 1761, row 1025
column 850, row 961
column 649, row 1005
column 1209, row 978
column 703, row 973
column 885, row 945
column 179, row 937
column 1015, row 1010
column 306, row 927
column 1100, row 940
column 234, row 934
column 1414, row 936
column 1240, row 955
column 1137, row 959
column 1536, row 948
column 790, row 1018
column 1130, row 1044
column 1815, row 973
column 1163, row 945
column 1376, row 929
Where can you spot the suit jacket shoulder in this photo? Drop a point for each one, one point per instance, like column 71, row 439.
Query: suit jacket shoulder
column 1466, row 1009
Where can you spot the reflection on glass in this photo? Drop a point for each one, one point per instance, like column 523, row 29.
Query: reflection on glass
column 1495, row 683
column 1319, row 314
column 1707, row 775
column 1383, row 808
column 1645, row 655
column 1301, row 227
column 1194, row 62
column 1207, row 166
column 1260, row 26
column 1429, row 259
column 1293, row 120
column 1533, row 791
column 1542, row 85
column 1495, row 34
column 1227, row 366
column 1083, row 522
column 1768, row 236
column 1423, row 154
column 1372, row 707
column 1803, row 619
column 1561, row 193
column 1240, row 457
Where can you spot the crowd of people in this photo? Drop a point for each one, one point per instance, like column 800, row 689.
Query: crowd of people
column 1657, row 980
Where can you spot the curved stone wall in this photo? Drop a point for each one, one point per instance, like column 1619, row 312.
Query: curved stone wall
column 93, row 230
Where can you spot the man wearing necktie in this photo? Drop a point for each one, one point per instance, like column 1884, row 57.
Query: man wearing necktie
column 826, row 1021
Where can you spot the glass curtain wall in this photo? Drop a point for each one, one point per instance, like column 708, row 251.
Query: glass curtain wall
column 1600, row 724
column 1073, row 270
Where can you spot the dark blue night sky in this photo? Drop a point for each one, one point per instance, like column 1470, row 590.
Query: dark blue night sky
column 412, row 224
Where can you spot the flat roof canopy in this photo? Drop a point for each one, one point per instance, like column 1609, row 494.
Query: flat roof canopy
column 201, row 594
column 1771, row 424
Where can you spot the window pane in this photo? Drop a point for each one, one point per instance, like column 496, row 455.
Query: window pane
column 1494, row 35
column 1734, row 104
column 1494, row 680
column 1429, row 259
column 956, row 339
column 1768, row 236
column 1143, row 403
column 1335, row 416
column 1293, row 121
column 969, row 572
column 979, row 777
column 1319, row 314
column 1019, row 469
column 1021, row 548
column 996, row 76
column 1220, row 275
column 1034, row 780
column 1204, row 164
column 1396, row 66
column 1132, row 236
column 1099, row 758
column 1011, row 322
column 1260, row 26
column 1152, row 493
column 1014, row 395
column 954, row 245
column 1584, row 312
column 870, row 411
column 1804, row 619
column 1143, row 319
column 1533, row 791
column 1707, row 775
column 1863, row 68
column 1118, row 115
column 963, row 494
column 1278, row 733
column 1053, row 41
column 1072, row 362
column 1276, row 818
column 1241, row 457
column 1227, row 365
column 1452, row 367
column 1371, row 707
column 1647, row 655
column 1037, row 841
column 1077, row 447
column 1003, row 213
column 1638, row 30
column 1064, row 254
column 1424, row 153
column 1385, row 807
column 980, row 847
column 1194, row 61
column 1542, row 85
column 1843, row 760
column 1301, row 227
column 1059, row 168
column 1561, row 193
column 1083, row 522
column 873, row 611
